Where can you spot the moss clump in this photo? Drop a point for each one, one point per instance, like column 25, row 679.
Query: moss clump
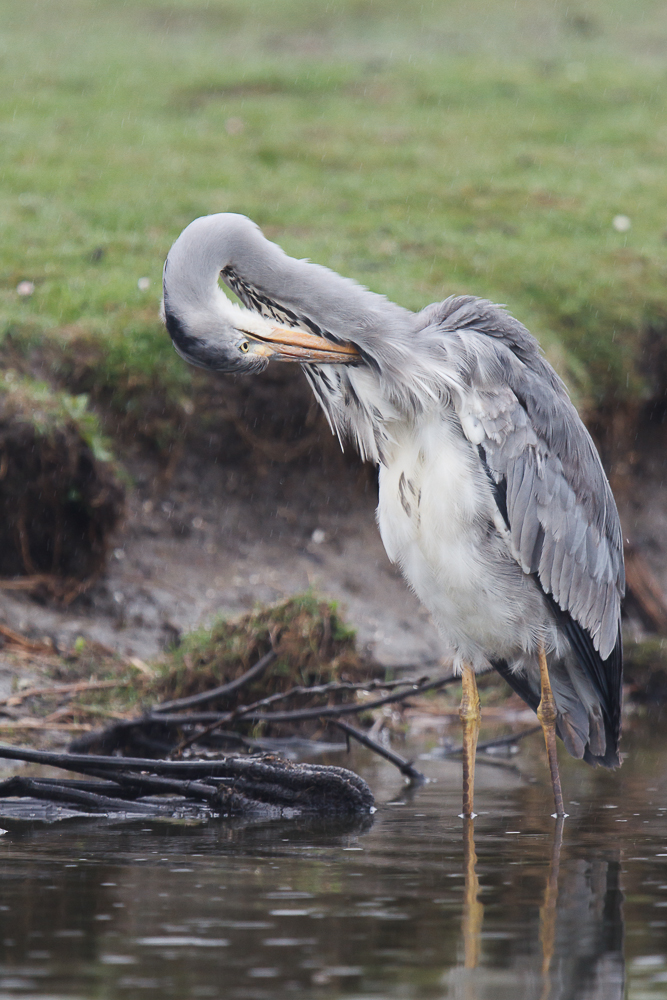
column 60, row 496
column 313, row 646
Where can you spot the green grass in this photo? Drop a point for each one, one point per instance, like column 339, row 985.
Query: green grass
column 423, row 149
column 47, row 411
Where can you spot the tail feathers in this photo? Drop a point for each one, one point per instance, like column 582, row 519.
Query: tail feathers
column 605, row 682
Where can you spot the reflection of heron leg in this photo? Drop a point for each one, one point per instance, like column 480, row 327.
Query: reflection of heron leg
column 546, row 713
column 548, row 908
column 473, row 911
column 470, row 716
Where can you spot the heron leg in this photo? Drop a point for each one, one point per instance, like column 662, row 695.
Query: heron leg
column 546, row 713
column 471, row 717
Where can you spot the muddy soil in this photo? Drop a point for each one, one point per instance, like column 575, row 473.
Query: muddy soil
column 215, row 538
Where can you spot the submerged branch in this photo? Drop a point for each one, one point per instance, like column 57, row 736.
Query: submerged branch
column 404, row 766
column 501, row 741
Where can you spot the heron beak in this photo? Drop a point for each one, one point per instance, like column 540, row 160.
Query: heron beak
column 296, row 345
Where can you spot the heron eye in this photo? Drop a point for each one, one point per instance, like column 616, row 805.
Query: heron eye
column 245, row 347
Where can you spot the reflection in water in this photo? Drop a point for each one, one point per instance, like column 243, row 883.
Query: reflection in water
column 473, row 910
column 588, row 954
column 548, row 908
column 581, row 940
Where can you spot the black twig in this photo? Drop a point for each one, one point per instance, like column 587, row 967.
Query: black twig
column 248, row 713
column 220, row 692
column 332, row 687
column 404, row 766
column 501, row 741
column 130, row 729
column 59, row 792
column 109, row 788
column 149, row 784
column 332, row 711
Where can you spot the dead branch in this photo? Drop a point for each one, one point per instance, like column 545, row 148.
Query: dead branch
column 404, row 766
column 330, row 687
column 61, row 589
column 152, row 785
column 331, row 711
column 227, row 784
column 56, row 792
column 126, row 732
column 56, row 689
column 98, row 787
column 45, row 646
column 41, row 724
column 248, row 713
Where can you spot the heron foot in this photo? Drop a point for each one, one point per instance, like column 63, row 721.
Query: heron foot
column 470, row 716
column 546, row 713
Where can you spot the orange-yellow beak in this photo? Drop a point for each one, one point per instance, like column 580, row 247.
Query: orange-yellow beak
column 296, row 345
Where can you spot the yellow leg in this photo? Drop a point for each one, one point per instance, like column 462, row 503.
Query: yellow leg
column 546, row 713
column 473, row 911
column 548, row 910
column 471, row 717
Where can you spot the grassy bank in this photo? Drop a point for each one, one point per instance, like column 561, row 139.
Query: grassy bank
column 423, row 149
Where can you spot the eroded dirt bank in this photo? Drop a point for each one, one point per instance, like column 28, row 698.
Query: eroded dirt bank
column 209, row 533
column 216, row 540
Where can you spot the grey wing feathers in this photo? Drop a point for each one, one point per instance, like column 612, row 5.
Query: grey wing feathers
column 562, row 517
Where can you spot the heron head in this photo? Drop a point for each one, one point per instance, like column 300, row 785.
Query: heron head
column 211, row 331
column 232, row 339
column 213, row 339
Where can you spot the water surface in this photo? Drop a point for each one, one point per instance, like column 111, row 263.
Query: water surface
column 410, row 903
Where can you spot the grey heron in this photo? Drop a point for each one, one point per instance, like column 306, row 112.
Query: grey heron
column 492, row 497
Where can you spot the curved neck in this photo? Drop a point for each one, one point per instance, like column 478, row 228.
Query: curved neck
column 267, row 279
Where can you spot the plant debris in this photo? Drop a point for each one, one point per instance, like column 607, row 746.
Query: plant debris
column 290, row 669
